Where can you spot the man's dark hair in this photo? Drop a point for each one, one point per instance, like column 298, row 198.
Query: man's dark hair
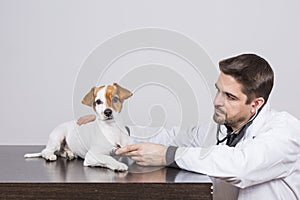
column 253, row 72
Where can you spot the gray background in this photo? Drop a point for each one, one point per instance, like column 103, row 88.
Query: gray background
column 44, row 43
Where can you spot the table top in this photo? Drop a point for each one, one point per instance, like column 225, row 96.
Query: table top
column 15, row 168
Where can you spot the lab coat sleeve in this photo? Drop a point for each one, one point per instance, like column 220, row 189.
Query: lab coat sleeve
column 200, row 136
column 269, row 156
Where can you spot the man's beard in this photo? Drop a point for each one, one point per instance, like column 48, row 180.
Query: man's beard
column 221, row 118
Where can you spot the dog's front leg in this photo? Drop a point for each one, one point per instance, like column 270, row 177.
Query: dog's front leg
column 97, row 159
column 125, row 140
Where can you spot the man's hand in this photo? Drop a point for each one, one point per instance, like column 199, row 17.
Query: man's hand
column 86, row 119
column 145, row 154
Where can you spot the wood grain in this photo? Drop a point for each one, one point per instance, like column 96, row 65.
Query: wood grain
column 37, row 179
column 105, row 191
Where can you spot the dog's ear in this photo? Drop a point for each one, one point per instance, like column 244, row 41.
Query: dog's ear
column 122, row 92
column 89, row 98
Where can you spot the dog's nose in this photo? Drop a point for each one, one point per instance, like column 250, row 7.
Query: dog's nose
column 107, row 112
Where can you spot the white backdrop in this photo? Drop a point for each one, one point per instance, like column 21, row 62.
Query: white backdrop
column 44, row 43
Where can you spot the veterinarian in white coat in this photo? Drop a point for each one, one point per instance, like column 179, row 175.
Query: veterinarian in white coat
column 257, row 153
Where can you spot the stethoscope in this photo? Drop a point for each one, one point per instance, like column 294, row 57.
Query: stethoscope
column 236, row 131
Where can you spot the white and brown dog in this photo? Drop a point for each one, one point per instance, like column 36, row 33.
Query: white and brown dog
column 94, row 141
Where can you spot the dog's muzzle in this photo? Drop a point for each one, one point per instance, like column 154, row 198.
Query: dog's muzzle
column 108, row 113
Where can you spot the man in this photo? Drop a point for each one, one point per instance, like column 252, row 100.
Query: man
column 258, row 157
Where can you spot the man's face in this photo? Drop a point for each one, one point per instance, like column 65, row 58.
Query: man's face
column 230, row 103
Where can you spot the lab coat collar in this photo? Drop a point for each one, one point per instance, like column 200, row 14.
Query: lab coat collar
column 259, row 122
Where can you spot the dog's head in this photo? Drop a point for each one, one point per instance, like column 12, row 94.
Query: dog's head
column 106, row 100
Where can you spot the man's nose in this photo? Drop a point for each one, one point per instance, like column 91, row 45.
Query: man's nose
column 219, row 99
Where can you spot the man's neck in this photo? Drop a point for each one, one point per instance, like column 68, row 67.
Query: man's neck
column 236, row 128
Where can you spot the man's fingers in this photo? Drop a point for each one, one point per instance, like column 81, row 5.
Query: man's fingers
column 127, row 149
column 86, row 119
column 79, row 121
column 129, row 154
column 142, row 163
column 133, row 153
column 137, row 158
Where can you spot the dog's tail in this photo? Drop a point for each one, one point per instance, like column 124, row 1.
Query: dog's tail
column 33, row 155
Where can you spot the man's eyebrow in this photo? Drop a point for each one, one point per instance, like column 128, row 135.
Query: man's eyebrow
column 231, row 95
column 227, row 93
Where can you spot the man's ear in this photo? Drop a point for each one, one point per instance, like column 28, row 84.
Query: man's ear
column 122, row 92
column 89, row 98
column 257, row 103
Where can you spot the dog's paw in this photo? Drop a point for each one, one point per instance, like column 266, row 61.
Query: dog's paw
column 63, row 154
column 50, row 157
column 121, row 167
column 67, row 154
column 70, row 155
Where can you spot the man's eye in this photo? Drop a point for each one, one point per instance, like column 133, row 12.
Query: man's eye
column 98, row 101
column 230, row 97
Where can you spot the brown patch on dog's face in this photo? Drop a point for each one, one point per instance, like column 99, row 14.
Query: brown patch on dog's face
column 109, row 95
column 115, row 95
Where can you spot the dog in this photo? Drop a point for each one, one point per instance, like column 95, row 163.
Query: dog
column 96, row 141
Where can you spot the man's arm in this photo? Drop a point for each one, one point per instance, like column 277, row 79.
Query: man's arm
column 160, row 148
column 266, row 158
column 150, row 154
column 145, row 154
column 271, row 155
column 192, row 136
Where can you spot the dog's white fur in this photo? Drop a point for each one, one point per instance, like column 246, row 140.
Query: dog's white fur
column 94, row 141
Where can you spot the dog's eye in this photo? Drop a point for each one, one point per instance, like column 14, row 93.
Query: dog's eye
column 98, row 101
column 115, row 99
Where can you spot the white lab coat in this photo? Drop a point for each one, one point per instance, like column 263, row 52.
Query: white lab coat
column 265, row 164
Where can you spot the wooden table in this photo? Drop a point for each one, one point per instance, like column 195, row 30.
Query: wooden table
column 37, row 179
